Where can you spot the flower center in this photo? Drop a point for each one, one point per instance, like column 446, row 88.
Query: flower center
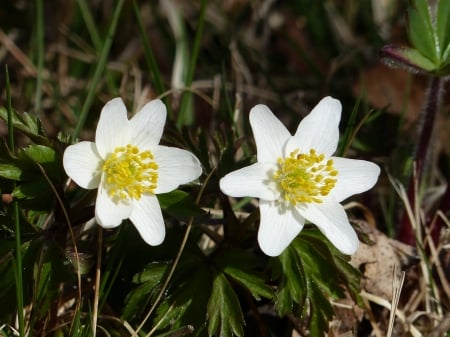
column 305, row 177
column 129, row 173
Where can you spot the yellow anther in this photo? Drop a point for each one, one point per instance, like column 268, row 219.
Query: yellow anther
column 130, row 173
column 305, row 177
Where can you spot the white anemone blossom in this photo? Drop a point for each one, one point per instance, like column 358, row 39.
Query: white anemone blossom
column 129, row 167
column 297, row 178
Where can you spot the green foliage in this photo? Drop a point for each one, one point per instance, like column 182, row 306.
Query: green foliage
column 421, row 30
column 179, row 204
column 429, row 33
column 224, row 312
column 241, row 267
column 29, row 124
column 443, row 29
column 150, row 281
column 310, row 272
column 33, row 170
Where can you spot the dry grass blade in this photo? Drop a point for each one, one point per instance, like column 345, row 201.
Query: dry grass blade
column 398, row 313
column 397, row 285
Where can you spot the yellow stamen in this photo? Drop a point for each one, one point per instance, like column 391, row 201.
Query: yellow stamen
column 130, row 173
column 305, row 177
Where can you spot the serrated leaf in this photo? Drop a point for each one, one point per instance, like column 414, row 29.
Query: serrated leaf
column 308, row 270
column 184, row 304
column 421, row 30
column 292, row 285
column 351, row 276
column 137, row 300
column 321, row 310
column 225, row 318
column 346, row 274
column 28, row 124
column 252, row 281
column 149, row 281
column 319, row 265
column 240, row 266
column 33, row 124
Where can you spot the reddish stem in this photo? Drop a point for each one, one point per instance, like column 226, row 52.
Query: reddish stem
column 405, row 232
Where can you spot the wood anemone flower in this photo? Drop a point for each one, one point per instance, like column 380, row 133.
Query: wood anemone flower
column 296, row 178
column 129, row 167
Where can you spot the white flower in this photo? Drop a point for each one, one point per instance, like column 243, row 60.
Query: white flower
column 129, row 167
column 297, row 178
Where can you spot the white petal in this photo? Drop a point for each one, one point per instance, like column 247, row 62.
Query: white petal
column 148, row 220
column 112, row 128
column 175, row 167
column 332, row 220
column 354, row 176
column 110, row 214
column 270, row 134
column 82, row 163
column 277, row 228
column 319, row 129
column 250, row 181
column 148, row 124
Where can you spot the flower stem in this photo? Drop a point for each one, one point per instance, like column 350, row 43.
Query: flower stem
column 406, row 232
column 97, row 281
column 15, row 216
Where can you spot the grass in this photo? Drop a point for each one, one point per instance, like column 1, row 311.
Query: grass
column 210, row 62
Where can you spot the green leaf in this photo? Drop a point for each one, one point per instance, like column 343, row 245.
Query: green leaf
column 40, row 153
column 443, row 29
column 224, row 311
column 10, row 171
column 46, row 157
column 252, row 281
column 152, row 273
column 310, row 271
column 179, row 204
column 34, row 189
column 319, row 265
column 344, row 274
column 321, row 310
column 150, row 280
column 187, row 300
column 421, row 30
column 410, row 58
column 240, row 266
column 292, row 286
column 28, row 124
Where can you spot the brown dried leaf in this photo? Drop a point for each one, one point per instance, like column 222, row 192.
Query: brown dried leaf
column 378, row 260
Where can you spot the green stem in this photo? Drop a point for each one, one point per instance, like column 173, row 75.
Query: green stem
column 97, row 280
column 99, row 70
column 15, row 215
column 149, row 56
column 186, row 118
column 95, row 37
column 90, row 24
